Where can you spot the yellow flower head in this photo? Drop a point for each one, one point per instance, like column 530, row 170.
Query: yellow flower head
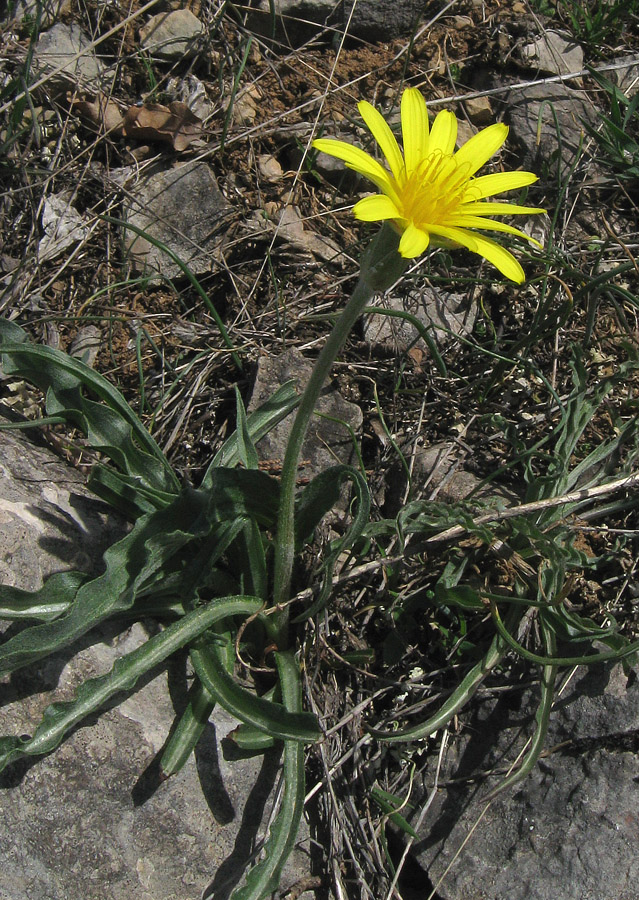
column 431, row 191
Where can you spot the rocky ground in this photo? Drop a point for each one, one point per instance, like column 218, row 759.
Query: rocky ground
column 165, row 219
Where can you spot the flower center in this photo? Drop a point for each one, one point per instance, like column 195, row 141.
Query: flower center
column 435, row 190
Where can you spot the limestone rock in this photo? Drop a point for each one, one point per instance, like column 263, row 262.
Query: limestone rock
column 627, row 76
column 171, row 35
column 570, row 107
column 68, row 49
column 568, row 831
column 90, row 821
column 184, row 210
column 62, row 225
column 444, row 314
column 553, row 54
column 299, row 20
column 49, row 521
column 328, row 441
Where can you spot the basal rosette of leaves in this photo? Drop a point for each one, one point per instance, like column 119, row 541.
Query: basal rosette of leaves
column 215, row 563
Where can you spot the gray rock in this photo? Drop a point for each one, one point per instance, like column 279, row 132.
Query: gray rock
column 68, row 49
column 568, row 831
column 444, row 314
column 62, row 225
column 86, row 344
column 553, row 54
column 297, row 21
column 171, row 35
column 627, row 76
column 328, row 442
column 438, row 473
column 561, row 111
column 49, row 521
column 88, row 822
column 288, row 225
column 50, row 12
column 184, row 210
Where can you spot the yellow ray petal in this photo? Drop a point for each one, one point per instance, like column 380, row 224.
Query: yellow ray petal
column 356, row 159
column 488, row 185
column 489, row 225
column 493, row 252
column 378, row 127
column 414, row 128
column 413, row 242
column 375, row 209
column 481, row 146
column 498, row 209
column 443, row 134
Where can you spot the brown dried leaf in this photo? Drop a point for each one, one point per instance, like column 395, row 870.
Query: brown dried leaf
column 103, row 113
column 175, row 125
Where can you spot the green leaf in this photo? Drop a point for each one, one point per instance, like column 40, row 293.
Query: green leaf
column 251, row 739
column 126, row 493
column 44, row 605
column 264, row 877
column 318, row 497
column 59, row 718
column 188, row 731
column 110, row 425
column 130, row 562
column 270, row 717
column 245, row 446
column 258, row 423
column 389, row 805
column 244, row 493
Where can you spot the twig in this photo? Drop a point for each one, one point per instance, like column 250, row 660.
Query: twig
column 495, row 515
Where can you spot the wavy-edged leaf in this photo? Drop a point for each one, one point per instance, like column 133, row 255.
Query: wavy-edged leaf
column 45, row 604
column 264, row 877
column 110, row 425
column 126, row 493
column 266, row 715
column 59, row 718
column 245, row 493
column 129, row 563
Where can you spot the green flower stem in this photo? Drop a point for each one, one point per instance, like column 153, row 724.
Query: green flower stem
column 381, row 267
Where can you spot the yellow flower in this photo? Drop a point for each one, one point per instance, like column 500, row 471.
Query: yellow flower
column 430, row 191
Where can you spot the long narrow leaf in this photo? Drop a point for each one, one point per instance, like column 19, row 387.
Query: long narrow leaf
column 110, row 425
column 455, row 702
column 59, row 718
column 129, row 564
column 44, row 605
column 270, row 717
column 264, row 877
column 258, row 423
